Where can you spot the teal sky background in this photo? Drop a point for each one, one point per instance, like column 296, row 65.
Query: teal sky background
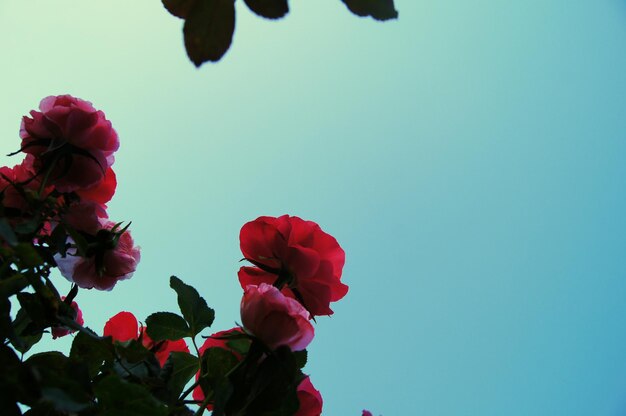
column 470, row 158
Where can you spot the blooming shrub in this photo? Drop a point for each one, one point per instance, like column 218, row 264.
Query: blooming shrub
column 54, row 216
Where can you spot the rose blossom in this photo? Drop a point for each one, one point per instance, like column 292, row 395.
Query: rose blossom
column 310, row 399
column 73, row 135
column 124, row 327
column 216, row 340
column 115, row 262
column 366, row 413
column 61, row 331
column 101, row 192
column 299, row 254
column 22, row 175
column 274, row 318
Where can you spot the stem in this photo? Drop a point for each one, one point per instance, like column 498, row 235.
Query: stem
column 189, row 390
column 203, row 406
column 193, row 341
column 46, row 177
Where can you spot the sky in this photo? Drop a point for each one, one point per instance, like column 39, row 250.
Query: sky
column 469, row 157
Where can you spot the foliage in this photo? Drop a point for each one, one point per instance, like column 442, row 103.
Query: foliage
column 210, row 24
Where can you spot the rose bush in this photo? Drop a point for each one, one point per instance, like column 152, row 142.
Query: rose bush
column 297, row 256
column 54, row 206
column 274, row 318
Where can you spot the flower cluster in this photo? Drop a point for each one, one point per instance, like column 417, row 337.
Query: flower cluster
column 295, row 275
column 69, row 147
column 54, row 214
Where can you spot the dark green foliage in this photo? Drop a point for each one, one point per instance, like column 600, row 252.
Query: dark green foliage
column 378, row 9
column 117, row 397
column 178, row 370
column 209, row 24
column 193, row 307
column 208, row 30
column 270, row 9
column 167, row 325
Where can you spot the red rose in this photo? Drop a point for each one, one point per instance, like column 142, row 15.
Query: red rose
column 300, row 255
column 22, row 175
column 71, row 134
column 310, row 399
column 61, row 331
column 101, row 192
column 124, row 327
column 215, row 341
column 106, row 266
column 84, row 216
column 274, row 318
column 366, row 413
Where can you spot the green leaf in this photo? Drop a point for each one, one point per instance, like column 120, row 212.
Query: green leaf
column 179, row 8
column 208, row 30
column 217, row 363
column 64, row 383
column 193, row 306
column 13, row 285
column 91, row 351
column 378, row 9
column 270, row 9
column 28, row 255
column 117, row 397
column 301, row 358
column 183, row 367
column 6, row 232
column 163, row 326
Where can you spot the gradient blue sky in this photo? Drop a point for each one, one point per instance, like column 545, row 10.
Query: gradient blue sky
column 470, row 158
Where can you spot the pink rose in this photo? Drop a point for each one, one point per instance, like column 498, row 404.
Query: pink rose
column 215, row 341
column 71, row 134
column 310, row 399
column 274, row 318
column 124, row 327
column 297, row 253
column 61, row 331
column 113, row 259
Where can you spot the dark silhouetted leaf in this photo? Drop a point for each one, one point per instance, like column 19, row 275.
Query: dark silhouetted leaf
column 193, row 306
column 64, row 384
column 13, row 285
column 120, row 398
column 301, row 358
column 184, row 366
column 179, row 8
column 378, row 9
column 271, row 9
column 91, row 351
column 208, row 30
column 6, row 232
column 167, row 326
